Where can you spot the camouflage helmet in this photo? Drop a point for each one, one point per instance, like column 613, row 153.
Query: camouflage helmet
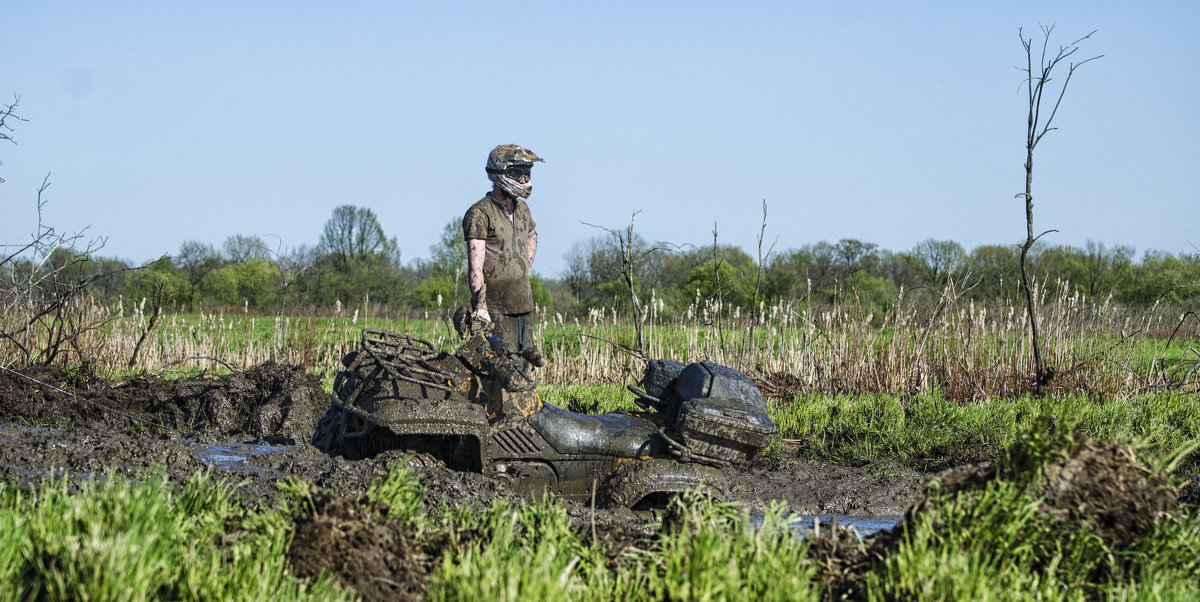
column 504, row 157
column 507, row 155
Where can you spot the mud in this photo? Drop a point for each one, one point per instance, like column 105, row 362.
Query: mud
column 370, row 555
column 253, row 428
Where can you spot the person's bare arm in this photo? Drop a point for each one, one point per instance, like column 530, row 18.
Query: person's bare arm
column 531, row 246
column 476, row 252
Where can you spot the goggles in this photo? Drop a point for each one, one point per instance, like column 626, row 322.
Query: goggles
column 518, row 171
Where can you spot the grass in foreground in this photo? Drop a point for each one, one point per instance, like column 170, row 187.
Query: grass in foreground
column 145, row 540
column 148, row 539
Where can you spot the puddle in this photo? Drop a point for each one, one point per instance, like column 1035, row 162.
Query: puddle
column 803, row 524
column 235, row 457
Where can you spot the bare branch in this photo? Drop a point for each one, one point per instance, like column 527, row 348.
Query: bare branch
column 1039, row 236
column 8, row 112
column 1036, row 129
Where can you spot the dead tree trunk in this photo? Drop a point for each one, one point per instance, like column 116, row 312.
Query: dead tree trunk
column 1036, row 83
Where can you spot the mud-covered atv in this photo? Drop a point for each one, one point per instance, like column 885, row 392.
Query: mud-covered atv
column 477, row 410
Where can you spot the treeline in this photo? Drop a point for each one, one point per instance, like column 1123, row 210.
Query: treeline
column 871, row 277
column 354, row 261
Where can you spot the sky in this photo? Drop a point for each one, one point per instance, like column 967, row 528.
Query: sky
column 887, row 122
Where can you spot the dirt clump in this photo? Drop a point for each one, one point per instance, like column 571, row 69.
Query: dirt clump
column 1098, row 487
column 273, row 402
column 374, row 557
column 616, row 540
column 1093, row 485
column 1104, row 488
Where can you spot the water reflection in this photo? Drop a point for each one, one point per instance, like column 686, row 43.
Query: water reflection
column 802, row 524
column 235, row 456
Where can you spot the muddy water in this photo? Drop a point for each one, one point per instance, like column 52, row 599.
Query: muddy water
column 861, row 525
column 239, row 457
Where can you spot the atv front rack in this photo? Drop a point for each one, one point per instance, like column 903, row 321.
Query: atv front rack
column 403, row 357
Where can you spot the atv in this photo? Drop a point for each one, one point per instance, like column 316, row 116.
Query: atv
column 477, row 409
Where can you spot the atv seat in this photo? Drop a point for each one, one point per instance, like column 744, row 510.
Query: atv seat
column 614, row 434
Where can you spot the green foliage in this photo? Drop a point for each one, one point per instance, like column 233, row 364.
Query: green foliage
column 541, row 294
column 998, row 269
column 520, row 553
column 437, row 291
column 1163, row 278
column 254, row 282
column 354, row 260
column 161, row 283
column 400, row 495
column 918, row 429
column 873, row 296
column 444, row 274
column 727, row 281
column 715, row 554
column 143, row 539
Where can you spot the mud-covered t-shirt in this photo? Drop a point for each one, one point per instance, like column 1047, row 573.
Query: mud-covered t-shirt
column 506, row 264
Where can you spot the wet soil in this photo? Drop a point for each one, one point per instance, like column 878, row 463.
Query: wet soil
column 375, row 557
column 253, row 429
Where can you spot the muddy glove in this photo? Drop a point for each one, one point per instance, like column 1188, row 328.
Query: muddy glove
column 481, row 315
column 534, row 356
column 468, row 324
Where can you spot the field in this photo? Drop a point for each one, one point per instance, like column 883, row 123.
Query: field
column 964, row 351
column 1082, row 491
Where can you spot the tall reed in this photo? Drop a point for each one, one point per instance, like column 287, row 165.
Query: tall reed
column 921, row 341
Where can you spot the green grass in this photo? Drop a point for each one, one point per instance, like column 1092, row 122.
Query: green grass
column 589, row 399
column 149, row 539
column 244, row 330
column 997, row 542
column 914, row 430
column 530, row 552
column 145, row 539
column 514, row 553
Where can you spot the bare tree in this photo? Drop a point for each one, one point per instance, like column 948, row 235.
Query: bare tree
column 755, row 315
column 632, row 258
column 45, row 283
column 353, row 234
column 1037, row 83
column 7, row 116
column 240, row 247
column 939, row 260
column 43, row 291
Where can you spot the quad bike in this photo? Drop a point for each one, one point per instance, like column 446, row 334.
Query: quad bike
column 478, row 410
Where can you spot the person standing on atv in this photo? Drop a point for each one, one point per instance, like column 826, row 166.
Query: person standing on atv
column 501, row 241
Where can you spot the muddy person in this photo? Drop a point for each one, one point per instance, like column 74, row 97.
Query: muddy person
column 501, row 241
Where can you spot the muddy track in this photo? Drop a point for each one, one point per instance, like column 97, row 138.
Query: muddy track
column 254, row 428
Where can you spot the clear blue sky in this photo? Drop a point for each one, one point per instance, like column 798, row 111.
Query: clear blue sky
column 889, row 122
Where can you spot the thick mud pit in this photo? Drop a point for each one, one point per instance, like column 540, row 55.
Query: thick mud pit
column 253, row 429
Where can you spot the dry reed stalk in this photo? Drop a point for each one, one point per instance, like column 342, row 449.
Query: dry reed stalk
column 967, row 350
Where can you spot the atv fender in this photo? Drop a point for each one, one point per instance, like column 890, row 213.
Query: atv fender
column 650, row 484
